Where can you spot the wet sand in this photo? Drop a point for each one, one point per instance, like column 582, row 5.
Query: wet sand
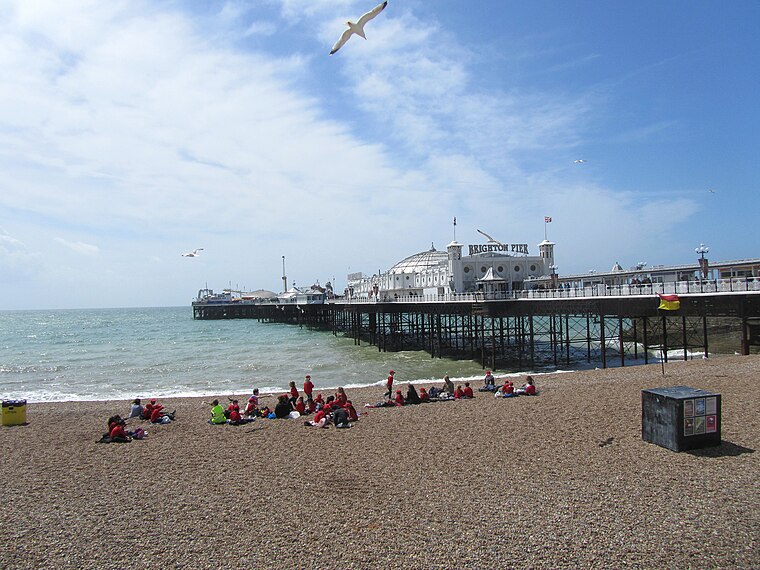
column 485, row 483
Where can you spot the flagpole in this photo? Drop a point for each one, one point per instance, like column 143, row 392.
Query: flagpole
column 455, row 228
column 545, row 222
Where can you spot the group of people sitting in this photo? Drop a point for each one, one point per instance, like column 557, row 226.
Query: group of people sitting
column 434, row 394
column 449, row 392
column 118, row 432
column 152, row 411
column 507, row 390
column 337, row 410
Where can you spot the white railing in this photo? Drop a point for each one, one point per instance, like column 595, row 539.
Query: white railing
column 736, row 285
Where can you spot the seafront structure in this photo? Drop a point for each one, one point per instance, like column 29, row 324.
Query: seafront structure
column 492, row 268
column 498, row 305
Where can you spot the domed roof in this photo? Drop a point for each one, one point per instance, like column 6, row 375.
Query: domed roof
column 420, row 261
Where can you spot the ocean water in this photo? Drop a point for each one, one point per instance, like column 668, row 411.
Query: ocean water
column 103, row 354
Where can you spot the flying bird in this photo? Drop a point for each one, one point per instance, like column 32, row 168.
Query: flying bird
column 711, row 190
column 358, row 27
column 490, row 239
column 579, row 161
column 193, row 253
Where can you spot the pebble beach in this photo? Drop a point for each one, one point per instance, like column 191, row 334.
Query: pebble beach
column 559, row 480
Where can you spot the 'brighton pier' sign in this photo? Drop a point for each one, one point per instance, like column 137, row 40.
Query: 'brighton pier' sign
column 499, row 247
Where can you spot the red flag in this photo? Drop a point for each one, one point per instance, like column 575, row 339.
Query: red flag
column 547, row 219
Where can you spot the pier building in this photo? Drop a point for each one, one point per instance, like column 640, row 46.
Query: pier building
column 492, row 268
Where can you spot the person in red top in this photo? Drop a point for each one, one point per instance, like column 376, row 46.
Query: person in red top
column 308, row 387
column 458, row 393
column 530, row 388
column 148, row 409
column 301, row 406
column 320, row 420
column 340, row 396
column 233, row 414
column 424, row 396
column 293, row 394
column 318, row 399
column 252, row 407
column 352, row 414
column 399, row 400
column 389, row 384
column 118, row 433
column 467, row 392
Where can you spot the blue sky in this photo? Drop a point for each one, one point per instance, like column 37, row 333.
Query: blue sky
column 131, row 132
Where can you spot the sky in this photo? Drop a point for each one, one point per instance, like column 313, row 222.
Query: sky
column 132, row 132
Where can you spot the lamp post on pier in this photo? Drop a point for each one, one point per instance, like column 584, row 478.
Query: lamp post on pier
column 703, row 263
column 555, row 277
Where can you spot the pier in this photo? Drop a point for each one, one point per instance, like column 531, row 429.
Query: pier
column 531, row 329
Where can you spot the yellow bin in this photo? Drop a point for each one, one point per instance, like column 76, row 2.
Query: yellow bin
column 14, row 412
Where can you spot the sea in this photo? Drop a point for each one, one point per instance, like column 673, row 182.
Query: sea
column 121, row 354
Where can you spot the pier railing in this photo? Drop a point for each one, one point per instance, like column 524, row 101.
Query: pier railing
column 735, row 285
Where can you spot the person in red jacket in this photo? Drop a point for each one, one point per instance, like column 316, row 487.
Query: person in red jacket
column 301, row 406
column 352, row 414
column 293, row 395
column 340, row 396
column 530, row 388
column 458, row 393
column 116, row 431
column 467, row 392
column 308, row 387
column 424, row 396
column 389, row 384
column 319, row 399
column 233, row 414
column 320, row 420
column 399, row 400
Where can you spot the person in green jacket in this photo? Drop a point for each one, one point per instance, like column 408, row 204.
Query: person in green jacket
column 217, row 413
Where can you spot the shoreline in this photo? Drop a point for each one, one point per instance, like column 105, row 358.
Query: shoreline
column 491, row 483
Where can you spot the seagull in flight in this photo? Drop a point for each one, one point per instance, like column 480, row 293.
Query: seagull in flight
column 358, row 27
column 193, row 253
column 711, row 190
column 579, row 161
column 490, row 239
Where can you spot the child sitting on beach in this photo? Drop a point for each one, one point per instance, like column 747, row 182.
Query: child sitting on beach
column 529, row 388
column 301, row 406
column 217, row 413
column 448, row 385
column 399, row 399
column 424, row 396
column 283, row 408
column 489, row 382
column 458, row 393
column 116, row 431
column 320, row 420
column 412, row 397
column 340, row 396
column 507, row 390
column 136, row 411
column 467, row 392
column 252, row 407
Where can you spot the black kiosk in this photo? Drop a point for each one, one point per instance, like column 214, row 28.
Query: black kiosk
column 680, row 417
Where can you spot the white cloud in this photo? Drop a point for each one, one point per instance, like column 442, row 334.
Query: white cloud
column 79, row 247
column 127, row 126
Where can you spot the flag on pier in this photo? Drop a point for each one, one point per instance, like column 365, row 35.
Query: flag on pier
column 669, row 302
column 547, row 219
column 455, row 220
